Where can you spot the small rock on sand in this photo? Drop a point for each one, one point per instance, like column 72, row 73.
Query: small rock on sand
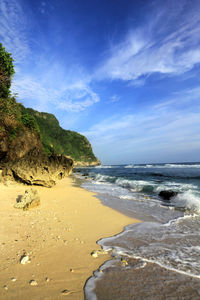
column 33, row 282
column 47, row 279
column 96, row 253
column 5, row 287
column 124, row 263
column 66, row 292
column 13, row 279
column 24, row 259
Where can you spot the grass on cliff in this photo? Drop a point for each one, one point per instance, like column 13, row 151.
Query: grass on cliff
column 55, row 139
column 15, row 118
column 14, row 115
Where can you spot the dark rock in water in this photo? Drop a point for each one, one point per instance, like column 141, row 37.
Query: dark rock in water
column 36, row 168
column 167, row 195
column 86, row 174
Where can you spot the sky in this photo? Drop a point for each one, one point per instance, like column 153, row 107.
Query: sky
column 126, row 74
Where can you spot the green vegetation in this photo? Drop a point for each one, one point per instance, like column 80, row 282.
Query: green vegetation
column 60, row 141
column 6, row 72
column 15, row 120
column 14, row 117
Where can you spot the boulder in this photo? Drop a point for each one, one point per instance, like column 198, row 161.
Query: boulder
column 36, row 168
column 29, row 200
column 167, row 195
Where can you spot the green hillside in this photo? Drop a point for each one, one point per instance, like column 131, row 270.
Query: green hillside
column 22, row 129
column 55, row 139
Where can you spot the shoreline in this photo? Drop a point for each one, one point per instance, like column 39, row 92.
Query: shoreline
column 59, row 236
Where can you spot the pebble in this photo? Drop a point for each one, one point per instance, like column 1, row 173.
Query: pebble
column 33, row 282
column 124, row 263
column 13, row 279
column 66, row 292
column 71, row 270
column 47, row 279
column 24, row 259
column 94, row 254
column 5, row 287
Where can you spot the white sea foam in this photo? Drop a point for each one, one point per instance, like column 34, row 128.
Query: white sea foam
column 135, row 185
column 103, row 178
column 182, row 165
column 188, row 200
column 176, row 221
column 164, row 166
column 129, row 166
column 103, row 167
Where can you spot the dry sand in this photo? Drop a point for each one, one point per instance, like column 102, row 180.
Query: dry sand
column 58, row 236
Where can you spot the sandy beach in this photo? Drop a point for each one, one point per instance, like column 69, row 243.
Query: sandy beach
column 58, row 236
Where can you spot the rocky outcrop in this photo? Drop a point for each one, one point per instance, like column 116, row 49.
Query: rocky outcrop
column 36, row 168
column 29, row 200
column 78, row 164
column 12, row 149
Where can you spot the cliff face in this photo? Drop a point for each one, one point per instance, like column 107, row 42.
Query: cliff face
column 57, row 140
column 22, row 157
column 16, row 138
column 32, row 143
column 36, row 168
column 22, row 129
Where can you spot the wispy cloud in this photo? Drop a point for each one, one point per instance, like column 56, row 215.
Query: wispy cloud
column 48, row 83
column 168, row 43
column 40, row 95
column 114, row 99
column 151, row 135
column 181, row 99
column 12, row 29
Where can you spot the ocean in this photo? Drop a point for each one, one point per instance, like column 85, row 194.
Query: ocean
column 158, row 258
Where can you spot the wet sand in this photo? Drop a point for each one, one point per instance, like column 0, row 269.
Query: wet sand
column 138, row 280
column 58, row 236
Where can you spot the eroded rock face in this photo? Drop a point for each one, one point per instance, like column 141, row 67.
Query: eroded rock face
column 36, row 168
column 13, row 148
column 87, row 164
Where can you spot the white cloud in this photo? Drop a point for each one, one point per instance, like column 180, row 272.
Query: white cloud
column 168, row 43
column 12, row 29
column 142, row 139
column 179, row 100
column 151, row 135
column 114, row 98
column 40, row 95
column 39, row 80
column 77, row 98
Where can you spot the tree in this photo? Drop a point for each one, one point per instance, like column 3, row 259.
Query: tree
column 6, row 72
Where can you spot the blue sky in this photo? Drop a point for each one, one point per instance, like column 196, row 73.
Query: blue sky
column 123, row 73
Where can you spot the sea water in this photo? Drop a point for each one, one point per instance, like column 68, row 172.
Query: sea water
column 166, row 245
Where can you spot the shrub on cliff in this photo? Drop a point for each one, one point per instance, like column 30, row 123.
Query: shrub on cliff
column 57, row 140
column 6, row 72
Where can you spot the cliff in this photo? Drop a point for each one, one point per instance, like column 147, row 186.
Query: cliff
column 34, row 149
column 22, row 157
column 60, row 141
column 19, row 132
